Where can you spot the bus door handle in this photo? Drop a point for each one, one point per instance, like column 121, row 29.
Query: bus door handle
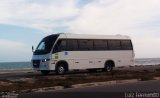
column 76, row 62
column 99, row 61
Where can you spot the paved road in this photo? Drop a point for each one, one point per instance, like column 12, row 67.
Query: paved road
column 31, row 74
column 143, row 86
column 19, row 75
column 112, row 91
column 14, row 75
column 22, row 75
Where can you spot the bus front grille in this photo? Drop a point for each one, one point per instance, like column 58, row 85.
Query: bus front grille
column 36, row 63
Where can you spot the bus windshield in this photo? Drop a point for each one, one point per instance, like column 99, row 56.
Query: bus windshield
column 45, row 45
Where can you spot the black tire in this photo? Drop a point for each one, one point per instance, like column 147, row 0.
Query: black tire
column 109, row 66
column 45, row 72
column 61, row 69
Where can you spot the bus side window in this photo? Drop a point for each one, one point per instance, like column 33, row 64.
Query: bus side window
column 100, row 45
column 114, row 44
column 72, row 45
column 126, row 45
column 60, row 46
column 85, row 45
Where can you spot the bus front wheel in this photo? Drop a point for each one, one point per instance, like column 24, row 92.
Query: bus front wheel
column 61, row 69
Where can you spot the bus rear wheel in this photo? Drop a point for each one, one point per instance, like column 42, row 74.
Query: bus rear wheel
column 45, row 72
column 109, row 66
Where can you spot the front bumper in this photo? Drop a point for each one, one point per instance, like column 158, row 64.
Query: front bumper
column 39, row 65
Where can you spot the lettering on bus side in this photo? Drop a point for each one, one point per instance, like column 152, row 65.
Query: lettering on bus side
column 56, row 56
column 65, row 53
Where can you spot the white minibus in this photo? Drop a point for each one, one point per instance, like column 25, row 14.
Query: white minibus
column 65, row 51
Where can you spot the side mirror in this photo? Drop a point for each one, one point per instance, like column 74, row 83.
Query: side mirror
column 32, row 49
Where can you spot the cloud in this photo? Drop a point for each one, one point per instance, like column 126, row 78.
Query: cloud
column 116, row 16
column 103, row 16
column 14, row 51
column 136, row 18
column 37, row 14
column 10, row 44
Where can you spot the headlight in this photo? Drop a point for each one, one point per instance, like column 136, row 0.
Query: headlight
column 44, row 60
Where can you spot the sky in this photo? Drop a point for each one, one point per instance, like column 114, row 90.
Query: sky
column 24, row 23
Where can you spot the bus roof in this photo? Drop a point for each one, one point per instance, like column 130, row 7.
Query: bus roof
column 91, row 36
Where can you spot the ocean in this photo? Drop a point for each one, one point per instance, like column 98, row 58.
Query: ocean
column 27, row 65
column 15, row 65
column 147, row 61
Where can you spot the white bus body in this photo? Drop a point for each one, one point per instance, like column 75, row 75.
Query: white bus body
column 65, row 51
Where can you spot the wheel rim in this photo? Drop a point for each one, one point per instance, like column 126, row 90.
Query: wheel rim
column 61, row 70
column 108, row 68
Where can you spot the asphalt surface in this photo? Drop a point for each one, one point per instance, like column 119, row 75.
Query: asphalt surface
column 22, row 75
column 107, row 91
column 34, row 74
column 31, row 74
